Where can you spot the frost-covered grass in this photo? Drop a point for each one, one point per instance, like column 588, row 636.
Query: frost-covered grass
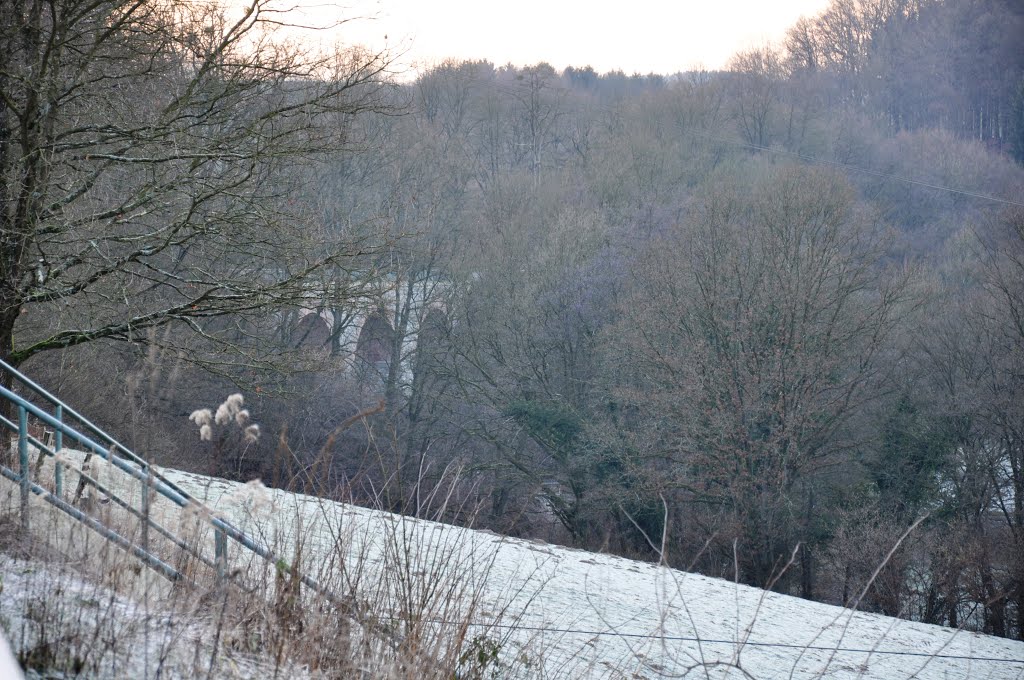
column 74, row 605
column 67, row 624
column 427, row 599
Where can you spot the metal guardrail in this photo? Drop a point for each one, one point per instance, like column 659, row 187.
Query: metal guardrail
column 97, row 442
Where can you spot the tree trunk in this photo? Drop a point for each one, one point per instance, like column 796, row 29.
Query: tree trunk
column 806, row 557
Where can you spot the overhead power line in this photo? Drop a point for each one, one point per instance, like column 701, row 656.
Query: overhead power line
column 867, row 171
column 712, row 641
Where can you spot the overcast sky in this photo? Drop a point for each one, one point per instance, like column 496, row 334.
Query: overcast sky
column 639, row 36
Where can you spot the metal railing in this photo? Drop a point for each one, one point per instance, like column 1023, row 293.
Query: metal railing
column 55, row 414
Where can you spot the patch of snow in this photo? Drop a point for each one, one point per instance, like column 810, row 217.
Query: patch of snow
column 593, row 615
column 75, row 621
column 9, row 668
column 563, row 613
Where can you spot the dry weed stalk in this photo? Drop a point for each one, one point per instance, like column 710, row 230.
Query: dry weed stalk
column 414, row 601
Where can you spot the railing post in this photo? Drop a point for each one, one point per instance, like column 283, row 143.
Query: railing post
column 220, row 547
column 58, row 468
column 23, row 461
column 145, row 510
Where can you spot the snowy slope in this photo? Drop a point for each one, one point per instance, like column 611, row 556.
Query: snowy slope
column 579, row 614
column 563, row 613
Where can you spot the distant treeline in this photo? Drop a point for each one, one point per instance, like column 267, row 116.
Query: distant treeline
column 907, row 64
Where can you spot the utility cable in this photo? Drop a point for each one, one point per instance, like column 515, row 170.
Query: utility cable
column 748, row 643
column 857, row 168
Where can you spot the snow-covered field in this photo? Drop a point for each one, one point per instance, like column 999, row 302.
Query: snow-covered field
column 563, row 613
column 128, row 637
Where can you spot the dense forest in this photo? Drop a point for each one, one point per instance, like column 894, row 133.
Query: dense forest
column 765, row 323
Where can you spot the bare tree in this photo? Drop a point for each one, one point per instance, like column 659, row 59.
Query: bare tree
column 998, row 313
column 757, row 88
column 754, row 334
column 149, row 156
column 538, row 97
